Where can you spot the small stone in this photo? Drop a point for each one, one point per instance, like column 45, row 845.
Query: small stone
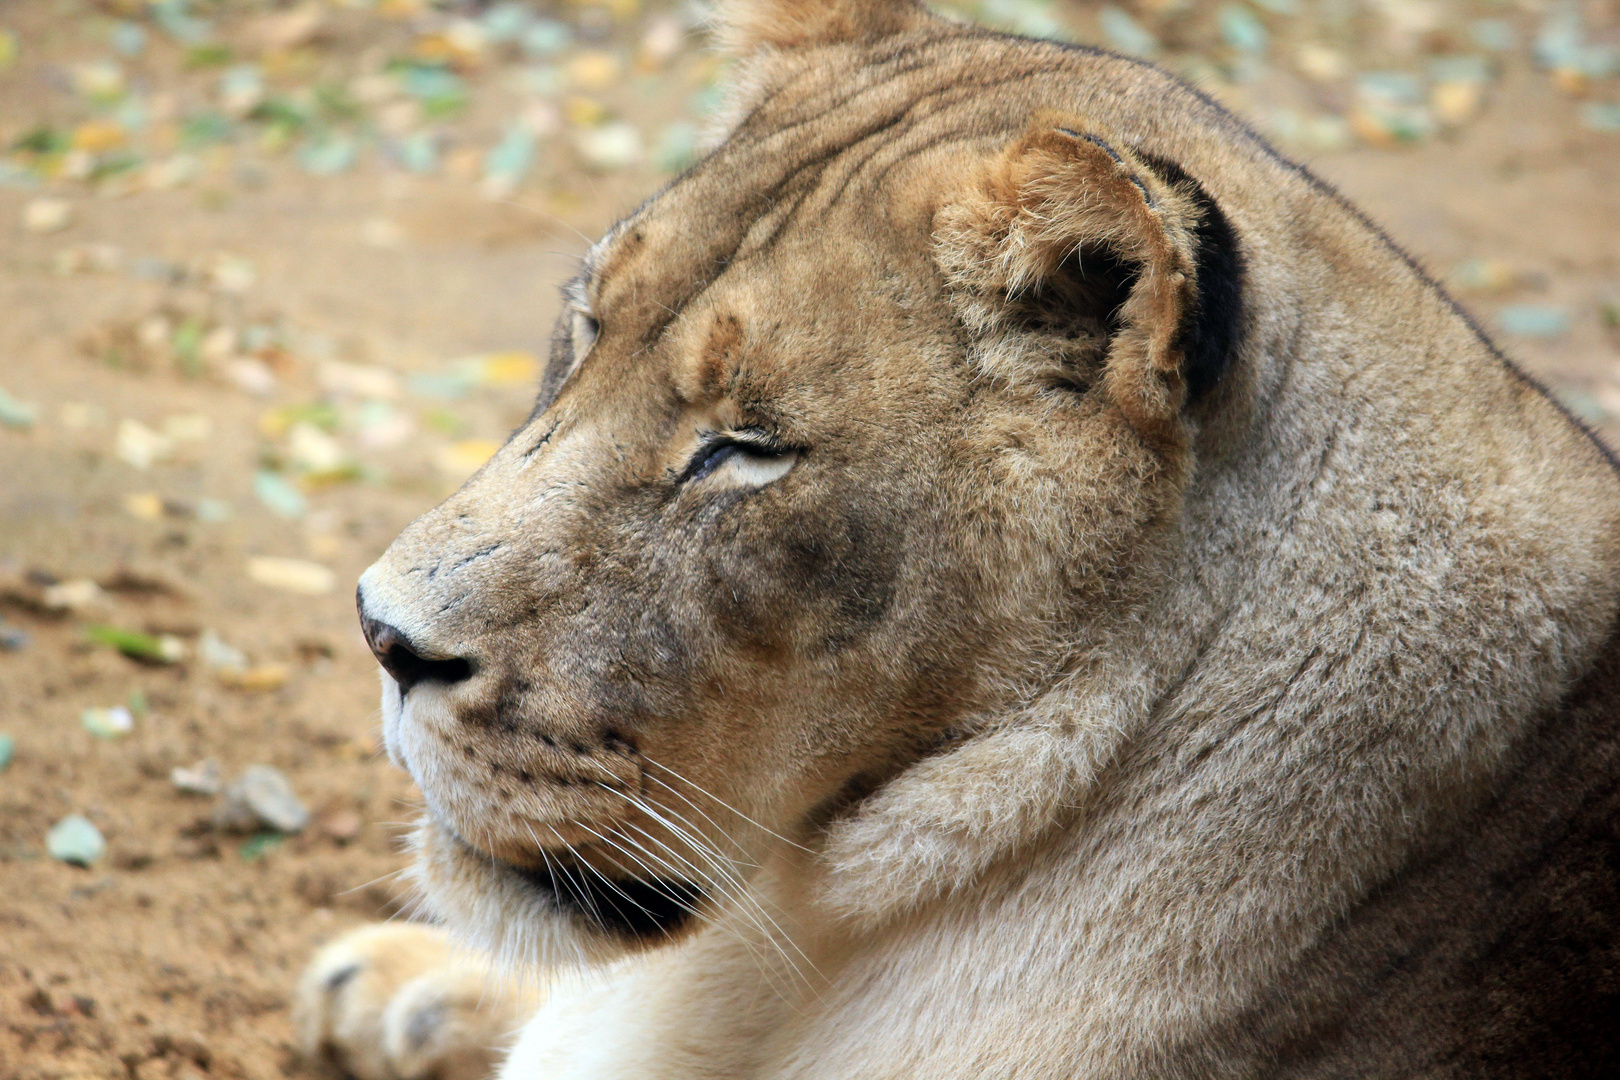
column 341, row 825
column 8, row 750
column 381, row 426
column 218, row 654
column 461, row 459
column 251, row 375
column 327, row 154
column 75, row 840
column 292, row 575
column 1126, row 34
column 128, row 37
column 677, row 147
column 12, row 639
column 77, row 594
column 546, row 37
column 611, row 146
column 47, row 215
column 1484, row 275
column 88, row 259
column 508, row 162
column 594, row 70
column 140, row 446
column 110, row 723
column 231, row 274
column 1533, row 320
column 16, row 414
column 505, row 369
column 200, row 779
column 1242, row 30
column 257, row 679
column 145, row 505
column 279, row 495
column 262, row 797
column 1601, row 116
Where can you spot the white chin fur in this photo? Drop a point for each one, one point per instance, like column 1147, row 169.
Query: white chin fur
column 393, row 709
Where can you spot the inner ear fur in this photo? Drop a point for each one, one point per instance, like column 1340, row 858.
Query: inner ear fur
column 1079, row 260
column 746, row 25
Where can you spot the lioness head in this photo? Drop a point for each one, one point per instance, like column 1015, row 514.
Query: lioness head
column 863, row 430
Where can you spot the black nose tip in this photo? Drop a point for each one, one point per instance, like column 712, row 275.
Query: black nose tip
column 400, row 658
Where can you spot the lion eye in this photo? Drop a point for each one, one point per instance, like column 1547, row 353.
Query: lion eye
column 750, row 458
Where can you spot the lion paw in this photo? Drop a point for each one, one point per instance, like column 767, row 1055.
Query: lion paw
column 400, row 1001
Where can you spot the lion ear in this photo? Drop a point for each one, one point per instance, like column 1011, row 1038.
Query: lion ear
column 1081, row 261
column 746, row 25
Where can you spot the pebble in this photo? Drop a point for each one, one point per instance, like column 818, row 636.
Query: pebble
column 219, row 654
column 610, row 147
column 505, row 369
column 109, row 723
column 251, row 376
column 341, row 825
column 261, row 798
column 1126, row 34
column 76, row 594
column 8, row 750
column 1533, row 320
column 16, row 414
column 200, row 779
column 260, row 678
column 461, row 459
column 13, row 639
column 139, row 446
column 313, row 451
column 279, row 495
column 361, row 380
column 1601, row 116
column 1242, row 30
column 75, row 840
column 1484, row 275
column 145, row 505
column 292, row 575
column 47, row 215
column 328, row 155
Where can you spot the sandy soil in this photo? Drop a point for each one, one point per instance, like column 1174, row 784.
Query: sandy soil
column 173, row 955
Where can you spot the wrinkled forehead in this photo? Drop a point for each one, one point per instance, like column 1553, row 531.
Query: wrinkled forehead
column 847, row 165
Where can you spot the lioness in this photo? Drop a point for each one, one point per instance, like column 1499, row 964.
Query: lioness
column 1006, row 577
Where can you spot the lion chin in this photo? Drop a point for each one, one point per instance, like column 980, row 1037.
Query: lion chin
column 1006, row 576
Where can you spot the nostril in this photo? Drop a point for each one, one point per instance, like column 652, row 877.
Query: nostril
column 401, row 660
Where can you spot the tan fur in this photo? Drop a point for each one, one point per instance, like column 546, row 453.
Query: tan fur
column 1040, row 700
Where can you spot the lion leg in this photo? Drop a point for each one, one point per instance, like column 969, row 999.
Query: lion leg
column 400, row 1001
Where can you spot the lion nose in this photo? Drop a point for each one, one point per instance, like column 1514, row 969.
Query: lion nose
column 404, row 662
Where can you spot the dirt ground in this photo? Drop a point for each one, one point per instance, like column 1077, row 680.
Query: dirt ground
column 172, row 955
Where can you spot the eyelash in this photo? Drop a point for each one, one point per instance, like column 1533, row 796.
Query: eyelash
column 718, row 448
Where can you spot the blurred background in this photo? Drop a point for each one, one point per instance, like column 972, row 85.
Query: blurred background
column 275, row 276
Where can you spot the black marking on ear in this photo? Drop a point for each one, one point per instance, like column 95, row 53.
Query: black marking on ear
column 1213, row 326
column 1147, row 196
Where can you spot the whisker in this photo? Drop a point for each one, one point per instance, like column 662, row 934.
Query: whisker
column 748, row 903
column 721, row 802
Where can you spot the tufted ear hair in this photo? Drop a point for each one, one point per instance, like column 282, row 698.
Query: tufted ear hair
column 746, row 25
column 1081, row 262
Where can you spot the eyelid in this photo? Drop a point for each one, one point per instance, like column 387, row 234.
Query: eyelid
column 756, row 438
column 748, row 440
